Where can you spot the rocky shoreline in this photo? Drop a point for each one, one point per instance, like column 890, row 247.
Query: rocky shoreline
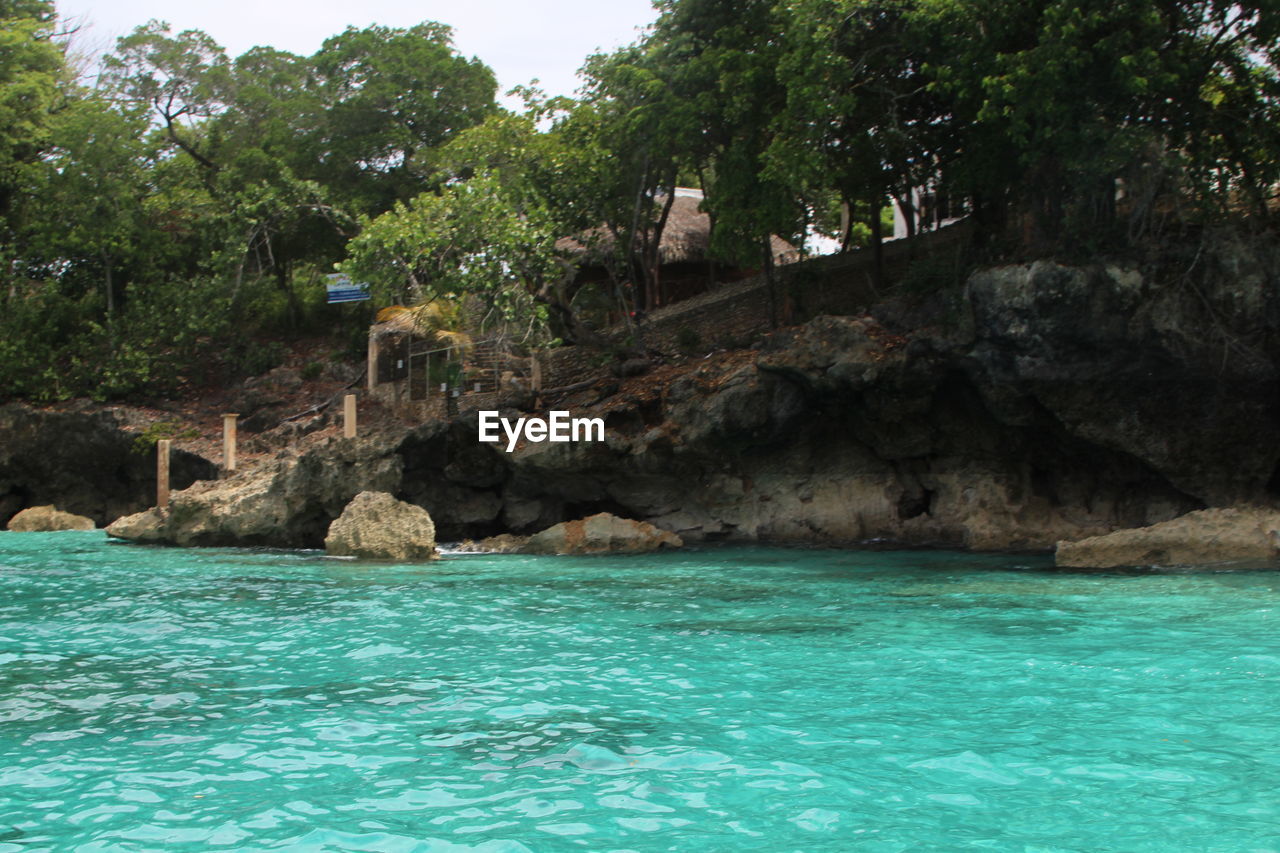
column 1040, row 403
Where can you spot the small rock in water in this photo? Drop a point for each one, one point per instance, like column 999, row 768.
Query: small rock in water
column 1244, row 537
column 145, row 526
column 377, row 526
column 503, row 543
column 602, row 533
column 45, row 518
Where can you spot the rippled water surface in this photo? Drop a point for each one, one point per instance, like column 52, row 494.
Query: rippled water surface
column 155, row 699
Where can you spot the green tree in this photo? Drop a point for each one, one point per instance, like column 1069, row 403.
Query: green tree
column 185, row 79
column 1050, row 105
column 471, row 239
column 705, row 83
column 636, row 133
column 32, row 79
column 240, row 123
column 87, row 213
column 388, row 94
column 859, row 121
column 558, row 175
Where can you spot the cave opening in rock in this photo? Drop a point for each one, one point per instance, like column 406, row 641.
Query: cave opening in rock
column 1273, row 484
column 574, row 511
column 916, row 504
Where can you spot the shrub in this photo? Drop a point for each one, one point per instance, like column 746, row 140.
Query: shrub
column 257, row 357
column 172, row 430
column 688, row 340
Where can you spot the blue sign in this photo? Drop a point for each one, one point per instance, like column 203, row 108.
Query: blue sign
column 343, row 289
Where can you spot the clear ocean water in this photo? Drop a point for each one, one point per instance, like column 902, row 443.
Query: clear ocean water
column 743, row 699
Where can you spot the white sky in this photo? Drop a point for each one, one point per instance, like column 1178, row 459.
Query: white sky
column 546, row 39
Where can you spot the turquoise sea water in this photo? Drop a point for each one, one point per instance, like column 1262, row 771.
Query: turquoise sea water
column 746, row 699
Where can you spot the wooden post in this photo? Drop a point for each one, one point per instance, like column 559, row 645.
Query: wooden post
column 349, row 416
column 535, row 379
column 162, row 473
column 372, row 377
column 229, row 442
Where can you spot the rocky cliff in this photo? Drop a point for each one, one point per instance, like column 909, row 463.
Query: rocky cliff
column 84, row 462
column 1036, row 403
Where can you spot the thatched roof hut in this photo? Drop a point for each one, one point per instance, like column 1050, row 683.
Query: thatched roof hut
column 685, row 239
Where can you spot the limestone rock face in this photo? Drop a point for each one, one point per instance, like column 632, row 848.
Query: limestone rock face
column 1038, row 403
column 377, row 526
column 601, row 533
column 1245, row 537
column 147, row 526
column 1125, row 361
column 287, row 502
column 843, row 431
column 42, row 518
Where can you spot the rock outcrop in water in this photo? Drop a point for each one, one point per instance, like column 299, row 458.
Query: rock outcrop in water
column 1039, row 403
column 602, row 533
column 1229, row 537
column 48, row 518
column 376, row 526
column 287, row 502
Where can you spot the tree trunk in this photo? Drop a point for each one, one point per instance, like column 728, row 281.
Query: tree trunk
column 877, row 247
column 284, row 280
column 770, row 283
column 564, row 322
column 110, row 288
column 636, row 269
column 111, row 300
column 846, row 225
column 653, row 263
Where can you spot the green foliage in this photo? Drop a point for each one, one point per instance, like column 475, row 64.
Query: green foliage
column 389, row 94
column 312, row 370
column 145, row 441
column 184, row 78
column 651, row 117
column 92, row 182
column 1042, row 109
column 256, row 357
column 156, row 230
column 151, row 230
column 32, row 74
column 473, row 238
column 688, row 339
column 33, row 330
column 54, row 347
